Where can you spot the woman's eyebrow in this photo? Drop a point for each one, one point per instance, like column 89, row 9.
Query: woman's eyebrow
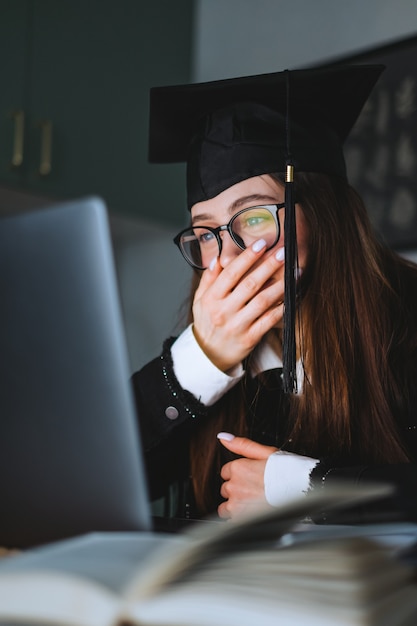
column 236, row 204
column 201, row 217
column 256, row 197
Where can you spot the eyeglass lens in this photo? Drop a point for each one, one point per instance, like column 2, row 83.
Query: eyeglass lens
column 200, row 245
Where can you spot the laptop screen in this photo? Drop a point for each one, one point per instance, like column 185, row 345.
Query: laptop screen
column 70, row 454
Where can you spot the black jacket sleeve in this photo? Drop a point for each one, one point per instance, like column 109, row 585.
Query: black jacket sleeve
column 167, row 415
column 400, row 505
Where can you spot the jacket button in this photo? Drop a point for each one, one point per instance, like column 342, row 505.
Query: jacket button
column 171, row 413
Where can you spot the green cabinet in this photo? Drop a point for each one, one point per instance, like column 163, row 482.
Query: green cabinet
column 13, row 72
column 75, row 78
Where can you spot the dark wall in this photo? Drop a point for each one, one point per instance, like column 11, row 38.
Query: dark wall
column 381, row 151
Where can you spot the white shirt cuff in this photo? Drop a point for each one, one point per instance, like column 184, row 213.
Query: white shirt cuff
column 287, row 476
column 197, row 374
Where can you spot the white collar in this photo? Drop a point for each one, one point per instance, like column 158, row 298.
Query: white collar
column 265, row 358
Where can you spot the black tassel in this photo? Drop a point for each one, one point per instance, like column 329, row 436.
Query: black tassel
column 290, row 243
column 289, row 373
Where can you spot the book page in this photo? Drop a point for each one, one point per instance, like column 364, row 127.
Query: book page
column 56, row 598
column 264, row 526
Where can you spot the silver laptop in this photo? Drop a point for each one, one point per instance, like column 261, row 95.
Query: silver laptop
column 70, row 454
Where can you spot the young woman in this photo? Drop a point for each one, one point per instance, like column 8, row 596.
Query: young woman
column 239, row 408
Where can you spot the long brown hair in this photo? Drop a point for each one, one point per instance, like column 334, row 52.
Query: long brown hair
column 355, row 338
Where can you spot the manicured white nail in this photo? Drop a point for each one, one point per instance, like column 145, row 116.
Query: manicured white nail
column 258, row 245
column 213, row 263
column 226, row 436
column 280, row 254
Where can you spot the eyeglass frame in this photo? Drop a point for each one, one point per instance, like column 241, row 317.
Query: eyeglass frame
column 272, row 208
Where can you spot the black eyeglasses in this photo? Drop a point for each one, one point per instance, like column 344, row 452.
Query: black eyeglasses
column 199, row 245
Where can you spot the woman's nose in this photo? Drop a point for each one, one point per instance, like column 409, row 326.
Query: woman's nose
column 229, row 249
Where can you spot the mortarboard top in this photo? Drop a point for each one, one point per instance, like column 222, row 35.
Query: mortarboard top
column 324, row 104
column 335, row 94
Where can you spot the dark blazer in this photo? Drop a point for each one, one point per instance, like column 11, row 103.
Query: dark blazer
column 168, row 414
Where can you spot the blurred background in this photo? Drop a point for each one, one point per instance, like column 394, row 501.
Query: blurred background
column 75, row 79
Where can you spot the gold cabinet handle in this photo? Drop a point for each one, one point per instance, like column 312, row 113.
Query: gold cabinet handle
column 45, row 164
column 18, row 139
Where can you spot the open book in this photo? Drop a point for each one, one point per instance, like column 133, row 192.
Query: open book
column 235, row 573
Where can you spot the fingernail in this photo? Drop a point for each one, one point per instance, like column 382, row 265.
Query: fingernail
column 280, row 255
column 226, row 436
column 258, row 245
column 213, row 263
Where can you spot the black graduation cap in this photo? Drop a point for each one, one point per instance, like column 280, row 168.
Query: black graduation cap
column 230, row 130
